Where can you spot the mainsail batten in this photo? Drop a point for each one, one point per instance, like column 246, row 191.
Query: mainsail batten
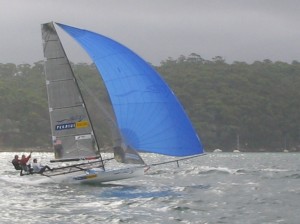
column 149, row 116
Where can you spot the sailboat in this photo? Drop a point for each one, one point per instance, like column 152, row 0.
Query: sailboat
column 147, row 116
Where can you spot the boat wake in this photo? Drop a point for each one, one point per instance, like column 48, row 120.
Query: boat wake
column 25, row 180
column 217, row 170
column 131, row 192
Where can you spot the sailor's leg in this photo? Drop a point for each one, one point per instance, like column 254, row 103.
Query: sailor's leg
column 42, row 170
column 47, row 167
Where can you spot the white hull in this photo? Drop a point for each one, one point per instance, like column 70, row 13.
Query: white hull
column 91, row 176
column 100, row 176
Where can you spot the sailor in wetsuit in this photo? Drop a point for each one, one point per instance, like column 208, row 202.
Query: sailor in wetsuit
column 16, row 163
column 21, row 164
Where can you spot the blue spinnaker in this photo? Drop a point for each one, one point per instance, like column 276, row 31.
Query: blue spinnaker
column 149, row 116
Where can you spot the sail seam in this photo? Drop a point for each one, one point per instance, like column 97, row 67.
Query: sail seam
column 61, row 80
column 59, row 108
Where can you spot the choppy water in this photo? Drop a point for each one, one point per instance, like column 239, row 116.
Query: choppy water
column 216, row 188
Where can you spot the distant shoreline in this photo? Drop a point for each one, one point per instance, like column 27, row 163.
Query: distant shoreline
column 35, row 149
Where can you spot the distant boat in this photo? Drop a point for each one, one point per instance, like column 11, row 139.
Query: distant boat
column 147, row 116
column 217, row 150
column 237, row 144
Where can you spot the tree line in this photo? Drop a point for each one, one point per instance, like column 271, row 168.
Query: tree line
column 251, row 106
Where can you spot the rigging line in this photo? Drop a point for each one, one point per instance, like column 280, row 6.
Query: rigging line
column 88, row 159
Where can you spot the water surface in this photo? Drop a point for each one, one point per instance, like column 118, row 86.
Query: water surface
column 216, row 188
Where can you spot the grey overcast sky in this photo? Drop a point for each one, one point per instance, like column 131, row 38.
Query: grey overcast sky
column 237, row 30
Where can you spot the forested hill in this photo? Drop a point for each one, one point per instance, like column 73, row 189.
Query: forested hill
column 257, row 103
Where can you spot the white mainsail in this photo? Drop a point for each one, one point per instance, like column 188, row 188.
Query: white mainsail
column 72, row 131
